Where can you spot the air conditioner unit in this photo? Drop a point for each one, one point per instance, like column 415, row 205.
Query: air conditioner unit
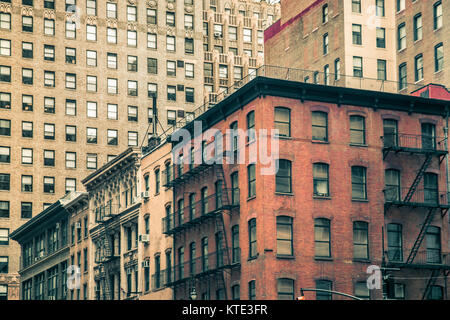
column 145, row 195
column 217, row 35
column 146, row 264
column 144, row 238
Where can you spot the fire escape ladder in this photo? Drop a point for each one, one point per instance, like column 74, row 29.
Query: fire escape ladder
column 431, row 281
column 421, row 235
column 106, row 254
column 418, row 177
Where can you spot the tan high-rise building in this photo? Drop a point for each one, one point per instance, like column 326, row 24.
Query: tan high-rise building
column 392, row 46
column 233, row 40
column 76, row 85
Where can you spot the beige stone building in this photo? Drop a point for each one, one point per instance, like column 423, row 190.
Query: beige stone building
column 76, row 87
column 361, row 44
column 233, row 40
column 114, row 203
column 157, row 200
column 48, row 242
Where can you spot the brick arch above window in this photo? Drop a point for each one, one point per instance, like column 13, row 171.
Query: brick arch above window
column 320, row 108
column 428, row 120
column 320, row 160
column 359, row 163
column 285, row 212
column 323, row 215
column 357, row 113
column 390, row 116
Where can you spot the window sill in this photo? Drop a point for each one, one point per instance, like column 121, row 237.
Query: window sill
column 323, row 258
column 361, row 260
column 284, row 137
column 285, row 257
column 322, row 197
column 358, row 145
column 320, row 142
column 284, row 193
column 251, row 198
column 253, row 258
column 360, row 200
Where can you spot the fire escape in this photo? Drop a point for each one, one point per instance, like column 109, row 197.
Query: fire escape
column 209, row 211
column 424, row 148
column 106, row 255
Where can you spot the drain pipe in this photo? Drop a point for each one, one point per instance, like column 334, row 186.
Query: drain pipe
column 446, row 156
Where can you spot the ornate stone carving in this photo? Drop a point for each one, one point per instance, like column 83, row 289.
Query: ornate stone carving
column 152, row 4
column 27, row 11
column 5, row 7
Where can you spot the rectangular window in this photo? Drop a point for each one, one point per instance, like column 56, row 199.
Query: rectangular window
column 284, row 236
column 71, row 133
column 252, row 248
column 91, row 135
column 112, row 60
column 356, row 6
column 381, row 69
column 394, row 242
column 27, row 24
column 5, row 127
column 27, row 183
column 132, row 38
column 131, row 13
column 320, row 180
column 360, row 240
column 5, row 21
column 49, row 184
column 285, row 289
column 5, row 154
column 357, row 130
column 247, row 35
column 170, row 43
column 400, row 5
column 111, row 35
column 189, row 70
column 5, row 74
column 171, row 68
column 232, row 33
column 132, row 138
column 27, row 129
column 171, row 118
column 91, row 161
column 49, row 27
column 380, row 8
column 4, row 209
column 283, row 178
column 438, row 57
column 132, row 113
column 4, row 236
column 71, row 160
column 4, row 264
column 381, row 37
column 71, row 30
column 401, row 36
column 27, row 156
column 402, row 76
column 5, row 47
column 417, row 25
column 49, row 158
column 71, row 81
column 111, row 10
column 418, row 67
column 170, row 19
column 71, row 56
column 152, row 65
column 91, row 32
column 319, row 126
column 5, row 181
column 26, row 211
column 324, row 285
column 151, row 16
column 151, row 40
column 112, row 86
column 91, row 108
column 91, row 7
column 71, row 187
column 188, row 21
column 189, row 94
column 27, row 76
column 171, row 93
column 91, row 83
column 437, row 15
column 358, row 67
column 132, row 63
column 359, row 184
column 49, row 79
column 356, row 34
column 112, row 137
column 188, row 46
column 112, row 111
column 27, row 103
column 325, row 44
column 132, row 88
column 322, row 238
column 27, row 50
column 71, row 107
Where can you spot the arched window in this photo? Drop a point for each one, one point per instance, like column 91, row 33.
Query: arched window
column 320, row 180
column 319, row 126
column 252, row 251
column 285, row 289
column 357, row 130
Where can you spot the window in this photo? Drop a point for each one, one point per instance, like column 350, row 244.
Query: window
column 359, row 184
column 380, row 8
column 112, row 137
column 337, row 69
column 152, row 66
column 247, row 34
column 402, row 76
column 438, row 57
column 49, row 185
column 436, row 293
column 91, row 161
column 91, row 32
column 189, row 45
column 91, row 108
column 188, row 21
column 5, row 47
column 112, row 60
column 232, row 33
column 151, row 40
column 171, row 93
column 131, row 13
column 71, row 80
column 208, row 69
column 251, row 180
column 320, row 180
column 189, row 94
column 381, row 69
column 236, row 251
column 70, row 186
column 5, row 20
column 151, row 16
column 171, row 68
column 238, row 72
column 381, row 37
column 283, row 121
column 71, row 30
column 251, row 126
column 418, row 67
column 284, row 236
column 112, row 111
column 5, row 127
column 360, row 240
column 132, row 38
column 27, row 24
column 322, row 238
column 71, row 56
column 394, row 242
column 170, row 19
column 400, row 5
column 392, row 189
column 417, row 25
column 111, row 35
column 223, row 71
column 283, row 179
column 437, row 15
column 27, row 103
column 358, row 67
column 27, row 129
column 319, row 126
column 132, row 138
column 252, row 248
column 27, row 76
column 356, row 6
column 49, row 27
column 170, row 43
column 189, row 70
column 252, row 290
column 71, row 133
column 27, row 156
column 71, row 160
column 27, row 50
column 49, row 79
column 401, row 36
column 325, row 44
column 132, row 63
column 132, row 88
column 5, row 180
column 3, row 264
column 325, row 13
column 285, row 289
column 356, row 34
column 49, row 158
column 91, row 7
column 390, row 132
column 4, row 236
column 5, row 74
column 326, row 74
column 112, row 86
column 357, row 130
column 361, row 290
column 324, row 285
column 152, row 89
column 111, row 10
column 5, row 154
column 132, row 113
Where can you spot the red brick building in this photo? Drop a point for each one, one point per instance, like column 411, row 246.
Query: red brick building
column 361, row 182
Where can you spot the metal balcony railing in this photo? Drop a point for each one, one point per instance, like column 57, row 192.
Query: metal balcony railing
column 200, row 210
column 421, row 198
column 413, row 142
column 200, row 266
column 105, row 212
column 427, row 258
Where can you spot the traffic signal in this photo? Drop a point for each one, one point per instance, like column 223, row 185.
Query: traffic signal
column 301, row 298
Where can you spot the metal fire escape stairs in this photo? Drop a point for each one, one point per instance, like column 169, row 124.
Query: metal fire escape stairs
column 431, row 281
column 421, row 236
column 419, row 177
column 105, row 253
